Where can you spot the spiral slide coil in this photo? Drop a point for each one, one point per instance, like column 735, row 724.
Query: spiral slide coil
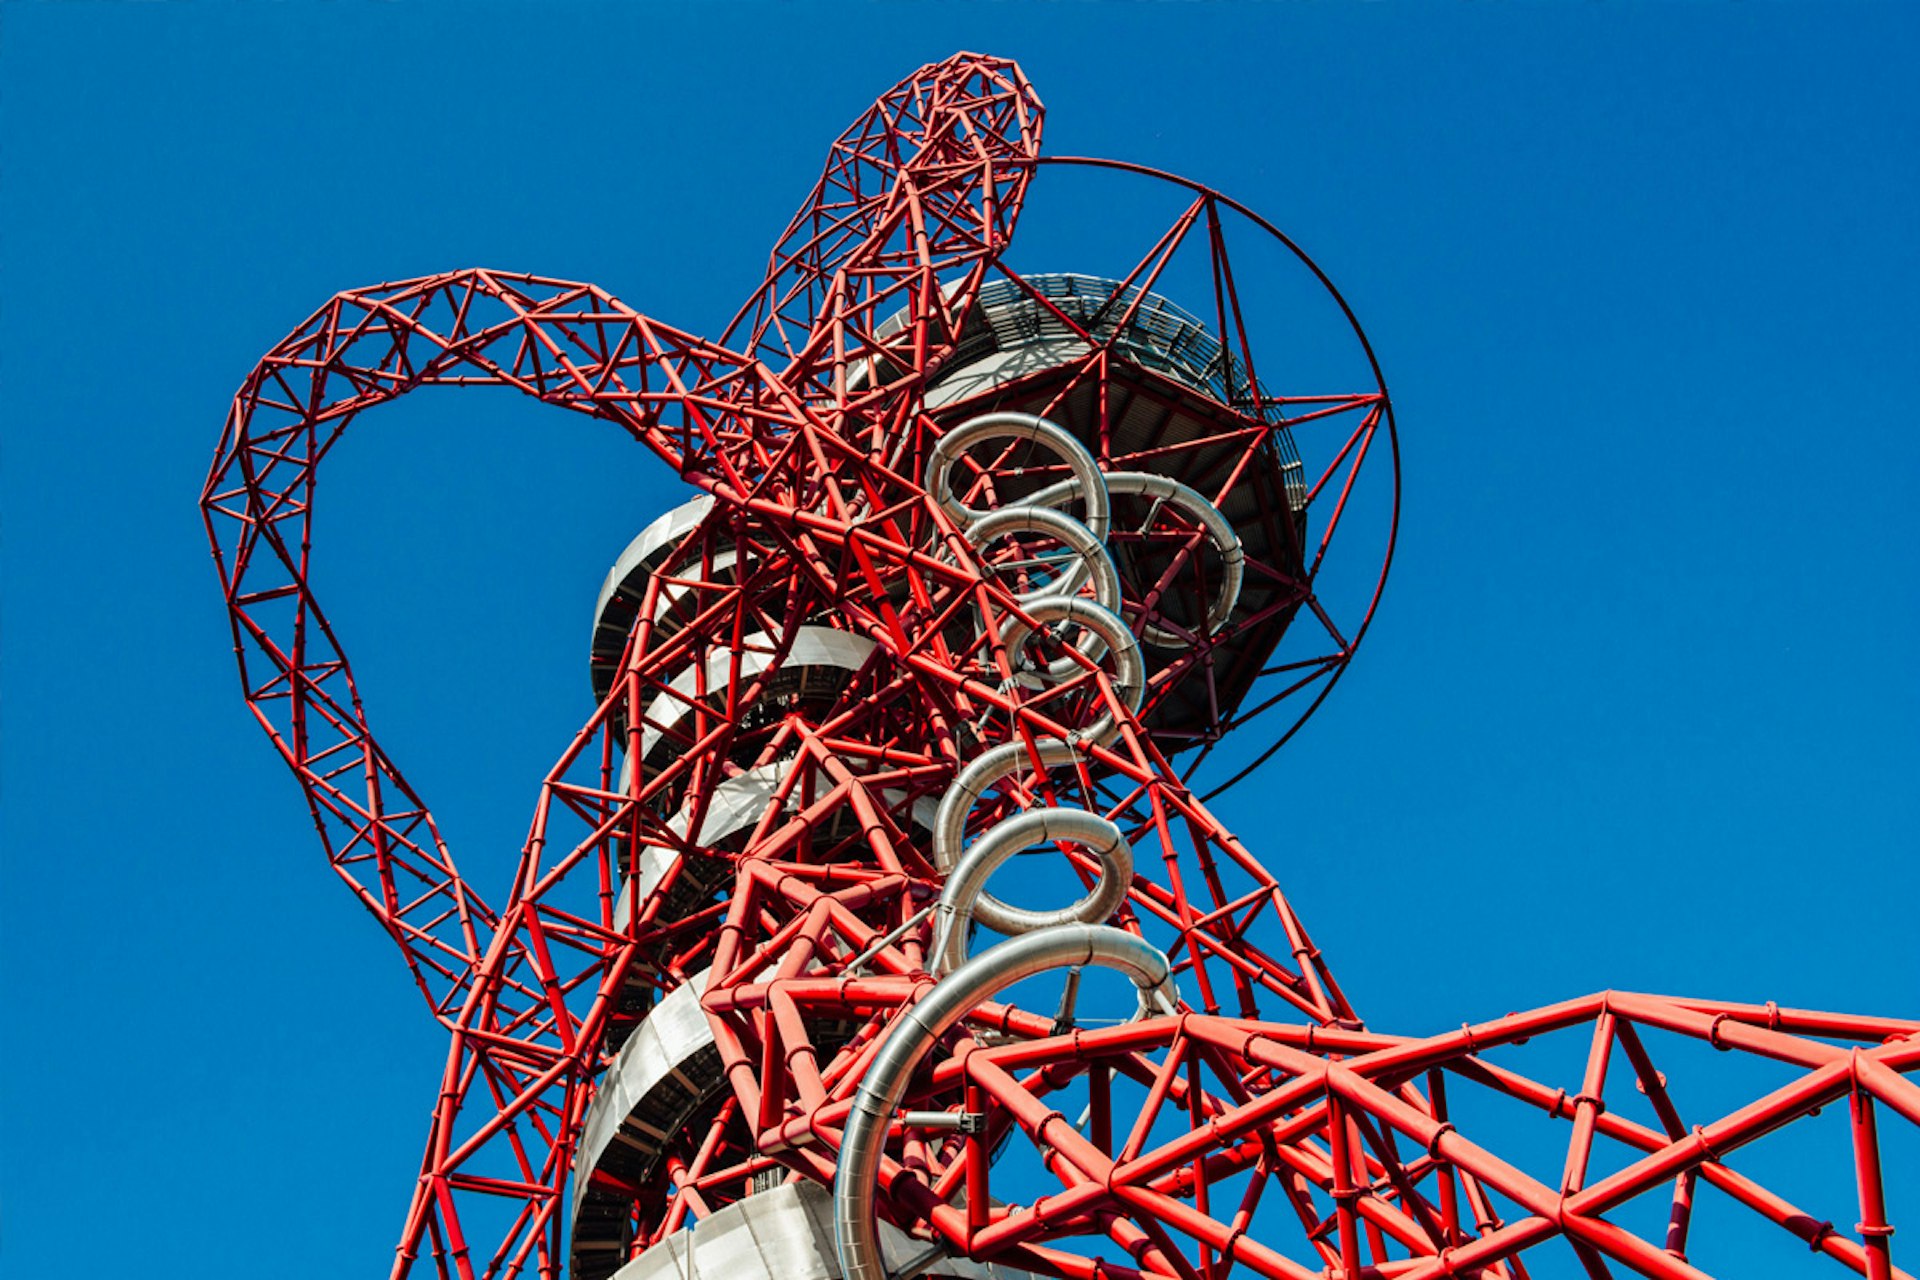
column 1071, row 936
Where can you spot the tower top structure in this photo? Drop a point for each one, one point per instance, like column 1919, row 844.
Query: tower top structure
column 980, row 563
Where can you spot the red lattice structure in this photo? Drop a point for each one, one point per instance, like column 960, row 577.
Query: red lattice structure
column 982, row 562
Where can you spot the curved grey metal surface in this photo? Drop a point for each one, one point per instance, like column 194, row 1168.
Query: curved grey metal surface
column 1086, row 538
column 998, row 368
column 1130, row 669
column 1009, row 333
column 737, row 804
column 661, row 1076
column 658, row 1053
column 786, row 1233
column 990, row 766
column 647, row 547
column 1233, row 556
column 949, row 824
column 721, row 566
column 1093, row 561
column 1014, row 426
column 624, row 589
column 965, row 894
column 813, row 649
column 964, row 899
column 1024, row 345
column 1159, row 335
column 992, row 971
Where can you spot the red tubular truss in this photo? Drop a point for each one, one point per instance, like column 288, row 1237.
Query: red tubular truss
column 883, row 633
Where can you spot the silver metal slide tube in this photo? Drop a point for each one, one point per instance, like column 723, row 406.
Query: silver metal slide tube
column 1016, row 426
column 963, row 899
column 856, row 1235
column 1233, row 557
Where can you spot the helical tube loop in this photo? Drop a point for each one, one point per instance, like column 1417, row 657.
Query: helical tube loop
column 1233, row 556
column 1091, row 487
column 1095, row 563
column 964, row 897
column 856, row 1238
column 1130, row 669
column 987, row 768
column 1070, row 936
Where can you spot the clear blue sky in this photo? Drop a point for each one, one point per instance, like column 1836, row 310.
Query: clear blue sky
column 1642, row 278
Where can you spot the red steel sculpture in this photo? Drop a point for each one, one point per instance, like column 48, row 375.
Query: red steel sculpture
column 977, row 555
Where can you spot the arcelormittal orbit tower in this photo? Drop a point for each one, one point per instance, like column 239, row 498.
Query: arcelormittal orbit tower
column 870, row 927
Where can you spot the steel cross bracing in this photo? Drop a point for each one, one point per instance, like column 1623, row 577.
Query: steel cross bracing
column 945, row 601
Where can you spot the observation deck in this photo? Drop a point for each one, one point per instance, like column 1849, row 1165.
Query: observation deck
column 1173, row 401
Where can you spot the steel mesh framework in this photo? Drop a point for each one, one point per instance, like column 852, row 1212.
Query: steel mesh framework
column 936, row 607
